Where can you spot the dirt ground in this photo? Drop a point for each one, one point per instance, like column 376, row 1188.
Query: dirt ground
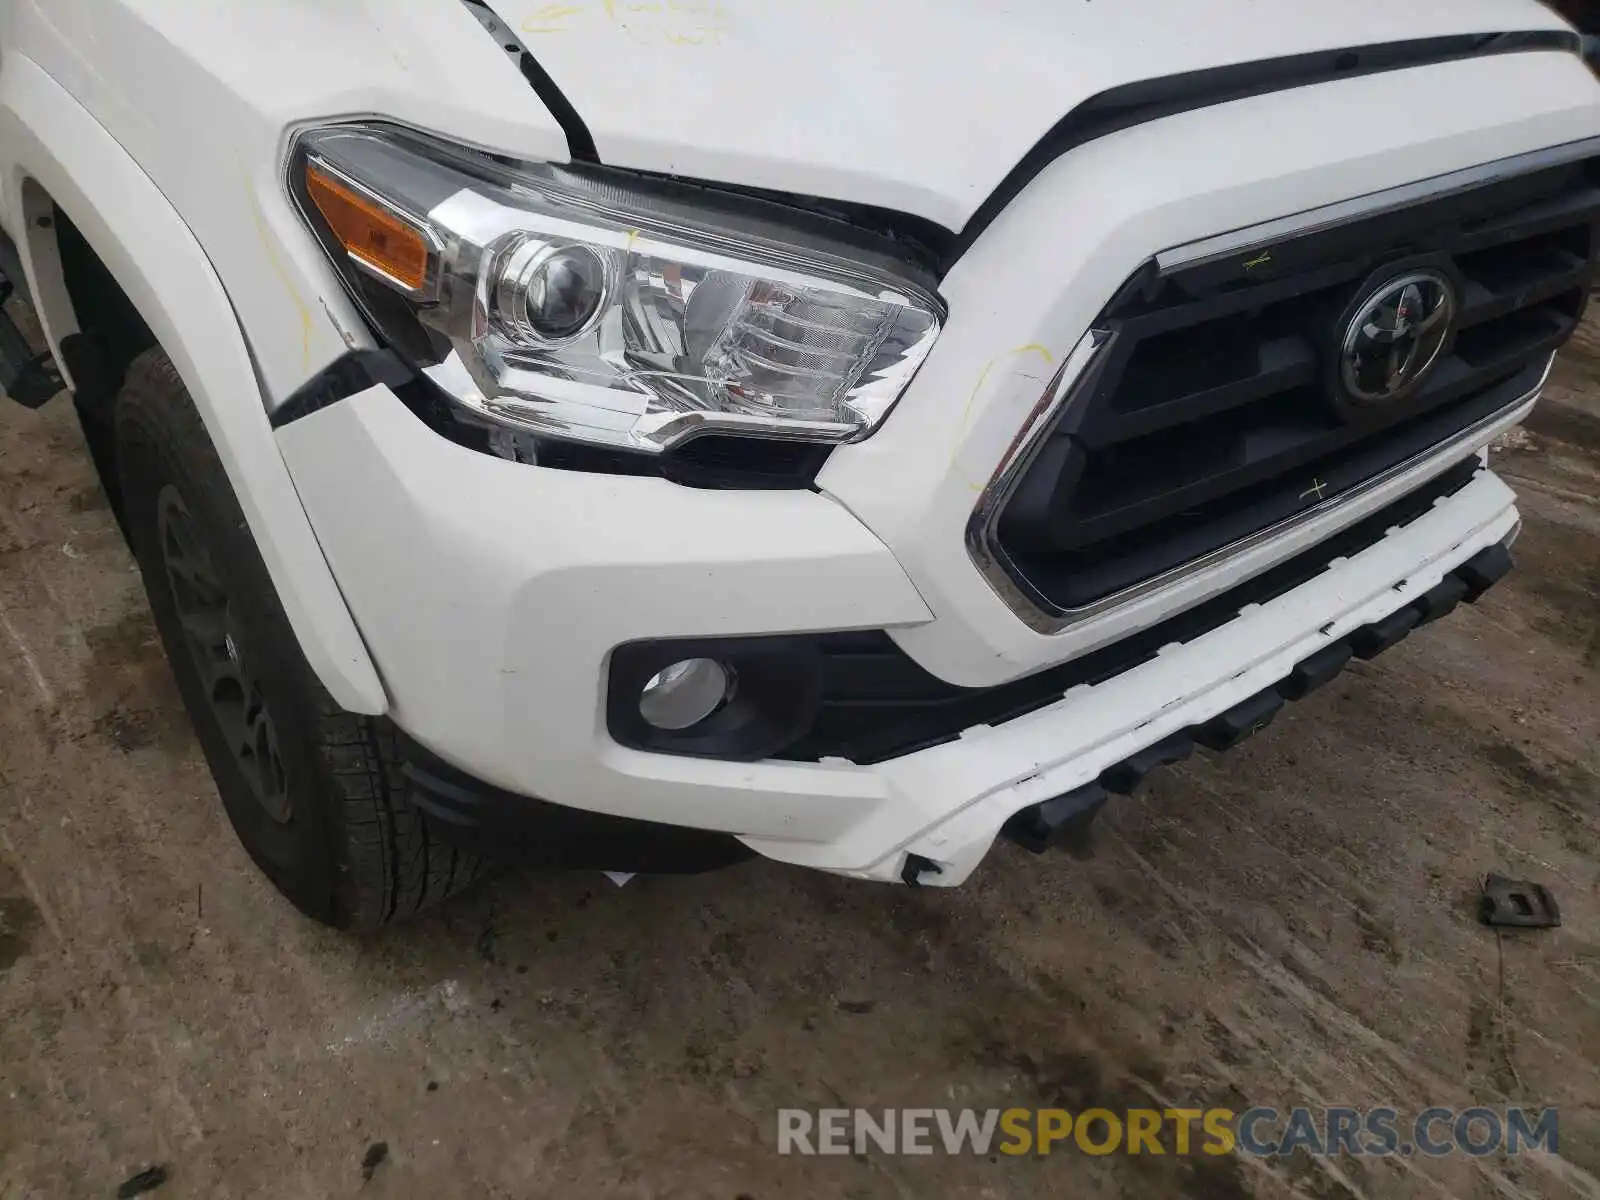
column 1293, row 924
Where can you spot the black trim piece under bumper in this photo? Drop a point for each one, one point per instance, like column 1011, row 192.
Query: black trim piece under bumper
column 502, row 825
column 1039, row 826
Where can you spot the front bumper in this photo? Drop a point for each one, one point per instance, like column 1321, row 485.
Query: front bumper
column 490, row 595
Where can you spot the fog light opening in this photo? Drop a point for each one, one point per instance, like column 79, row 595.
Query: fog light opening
column 686, row 693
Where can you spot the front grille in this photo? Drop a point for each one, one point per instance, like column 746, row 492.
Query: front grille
column 1214, row 410
column 877, row 703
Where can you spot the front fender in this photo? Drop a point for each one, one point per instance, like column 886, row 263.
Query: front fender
column 46, row 136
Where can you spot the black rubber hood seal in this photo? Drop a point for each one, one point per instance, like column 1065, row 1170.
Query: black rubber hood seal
column 580, row 142
column 1133, row 104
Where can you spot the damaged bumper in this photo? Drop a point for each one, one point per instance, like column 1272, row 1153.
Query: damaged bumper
column 467, row 576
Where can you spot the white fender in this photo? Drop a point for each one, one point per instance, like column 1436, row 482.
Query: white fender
column 46, row 136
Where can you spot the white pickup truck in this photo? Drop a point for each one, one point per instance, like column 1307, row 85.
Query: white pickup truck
column 639, row 435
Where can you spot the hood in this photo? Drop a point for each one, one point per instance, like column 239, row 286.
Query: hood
column 922, row 106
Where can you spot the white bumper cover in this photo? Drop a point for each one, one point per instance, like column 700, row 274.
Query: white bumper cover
column 491, row 593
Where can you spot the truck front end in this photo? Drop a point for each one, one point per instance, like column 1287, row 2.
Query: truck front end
column 853, row 436
column 863, row 540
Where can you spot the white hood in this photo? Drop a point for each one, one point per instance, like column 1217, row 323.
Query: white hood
column 921, row 106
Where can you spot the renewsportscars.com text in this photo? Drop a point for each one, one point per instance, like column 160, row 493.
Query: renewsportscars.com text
column 1261, row 1132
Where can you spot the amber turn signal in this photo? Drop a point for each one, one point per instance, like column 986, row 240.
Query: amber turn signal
column 371, row 234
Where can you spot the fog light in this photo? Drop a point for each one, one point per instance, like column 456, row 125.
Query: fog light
column 738, row 699
column 685, row 693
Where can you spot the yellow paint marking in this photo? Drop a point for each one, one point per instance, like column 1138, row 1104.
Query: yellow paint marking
column 547, row 18
column 699, row 37
column 278, row 268
column 1035, row 348
column 965, row 424
column 651, row 22
column 554, row 12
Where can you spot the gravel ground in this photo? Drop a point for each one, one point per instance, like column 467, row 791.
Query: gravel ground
column 1293, row 923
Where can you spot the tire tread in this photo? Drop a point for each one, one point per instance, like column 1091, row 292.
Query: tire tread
column 384, row 861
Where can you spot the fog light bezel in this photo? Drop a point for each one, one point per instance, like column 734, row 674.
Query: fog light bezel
column 773, row 705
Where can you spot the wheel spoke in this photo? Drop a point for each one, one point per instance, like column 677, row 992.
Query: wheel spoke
column 227, row 701
column 269, row 767
column 218, row 671
column 266, row 762
column 207, row 626
column 194, row 582
column 234, row 729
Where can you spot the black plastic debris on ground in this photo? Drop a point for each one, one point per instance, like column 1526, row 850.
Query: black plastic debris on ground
column 147, row 1180
column 1517, row 904
column 371, row 1160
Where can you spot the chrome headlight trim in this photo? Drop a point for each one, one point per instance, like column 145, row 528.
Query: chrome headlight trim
column 710, row 319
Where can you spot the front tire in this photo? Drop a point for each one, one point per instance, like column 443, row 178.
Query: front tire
column 316, row 794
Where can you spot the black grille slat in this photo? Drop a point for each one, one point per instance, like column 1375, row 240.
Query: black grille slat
column 1480, row 304
column 1185, row 310
column 1520, row 335
column 1146, row 550
column 1276, row 449
column 1560, row 212
column 1217, row 401
column 1278, row 365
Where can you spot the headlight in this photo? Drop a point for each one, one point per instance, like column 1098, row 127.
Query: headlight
column 591, row 307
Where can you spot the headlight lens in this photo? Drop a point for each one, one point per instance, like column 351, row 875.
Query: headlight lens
column 592, row 309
